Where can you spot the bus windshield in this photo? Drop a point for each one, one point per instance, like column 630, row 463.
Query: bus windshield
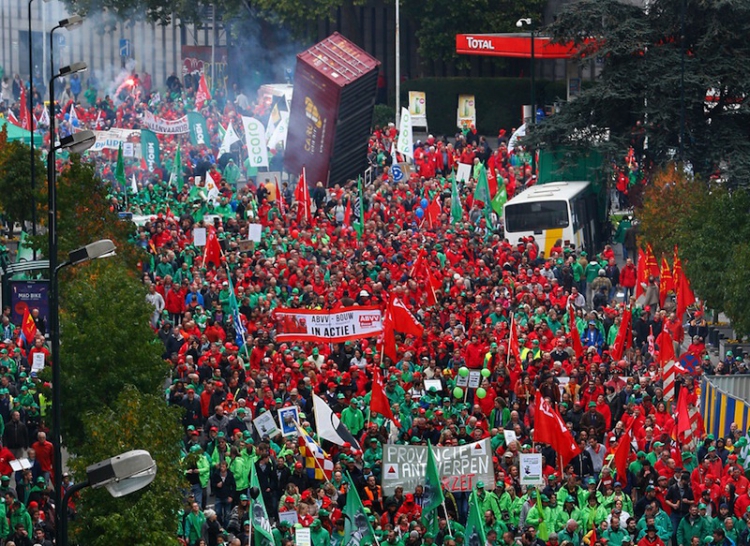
column 536, row 216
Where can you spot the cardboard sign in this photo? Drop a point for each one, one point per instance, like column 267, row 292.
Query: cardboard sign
column 254, row 232
column 510, row 436
column 289, row 516
column 462, row 381
column 475, row 378
column 531, row 468
column 289, row 419
column 199, row 236
column 265, row 424
column 429, row 383
column 38, row 363
column 302, row 537
column 459, row 467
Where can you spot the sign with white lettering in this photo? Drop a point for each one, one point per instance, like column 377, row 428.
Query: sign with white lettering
column 459, row 467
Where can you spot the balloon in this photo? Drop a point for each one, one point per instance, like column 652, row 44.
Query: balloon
column 67, row 117
column 74, row 123
column 419, row 212
column 424, row 202
column 295, row 234
column 481, row 393
column 486, row 372
column 463, row 371
column 458, row 392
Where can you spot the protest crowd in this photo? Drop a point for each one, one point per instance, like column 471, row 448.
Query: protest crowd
column 486, row 344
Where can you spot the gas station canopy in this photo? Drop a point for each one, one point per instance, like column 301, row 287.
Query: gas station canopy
column 516, row 45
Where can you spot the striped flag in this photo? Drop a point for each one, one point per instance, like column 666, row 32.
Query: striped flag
column 318, row 464
column 668, row 362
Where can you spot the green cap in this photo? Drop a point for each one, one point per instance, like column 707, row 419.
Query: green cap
column 480, row 484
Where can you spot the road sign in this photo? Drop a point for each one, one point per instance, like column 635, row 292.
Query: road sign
column 126, row 49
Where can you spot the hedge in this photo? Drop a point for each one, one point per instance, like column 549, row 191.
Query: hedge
column 498, row 100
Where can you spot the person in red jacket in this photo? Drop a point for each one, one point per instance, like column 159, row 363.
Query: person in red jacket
column 6, row 456
column 628, row 278
column 651, row 538
column 45, row 454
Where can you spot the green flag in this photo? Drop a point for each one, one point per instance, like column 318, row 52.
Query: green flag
column 359, row 225
column 542, row 532
column 474, row 532
column 357, row 528
column 150, row 150
column 457, row 211
column 120, row 169
column 198, row 129
column 175, row 177
column 433, row 493
column 261, row 524
column 482, row 191
column 501, row 197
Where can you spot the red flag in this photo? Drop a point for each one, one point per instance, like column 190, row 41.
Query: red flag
column 379, row 402
column 202, row 95
column 418, row 264
column 624, row 335
column 652, row 266
column 280, row 198
column 513, row 348
column 302, row 197
column 622, row 454
column 549, row 428
column 666, row 349
column 432, row 214
column 685, row 295
column 28, row 326
column 402, row 318
column 666, row 282
column 348, row 214
column 491, row 177
column 212, row 252
column 683, row 416
column 642, row 276
column 23, row 111
column 13, row 119
column 433, row 286
column 574, row 333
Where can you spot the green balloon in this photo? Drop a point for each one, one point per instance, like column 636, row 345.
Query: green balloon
column 481, row 393
column 486, row 372
column 463, row 371
column 458, row 392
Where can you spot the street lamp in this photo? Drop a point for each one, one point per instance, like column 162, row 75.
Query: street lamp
column 121, row 475
column 520, row 23
column 30, row 107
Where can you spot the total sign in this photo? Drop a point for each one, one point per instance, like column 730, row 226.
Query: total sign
column 484, row 44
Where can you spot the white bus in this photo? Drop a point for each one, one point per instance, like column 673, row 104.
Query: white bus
column 552, row 212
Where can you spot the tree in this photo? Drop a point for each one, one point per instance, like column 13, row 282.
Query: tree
column 107, row 343
column 16, row 196
column 134, row 421
column 641, row 82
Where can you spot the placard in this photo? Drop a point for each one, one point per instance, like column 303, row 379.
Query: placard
column 20, row 464
column 462, row 381
column 199, row 236
column 459, row 467
column 128, row 150
column 429, row 383
column 290, row 516
column 302, row 537
column 254, row 232
column 38, row 363
column 289, row 419
column 510, row 436
column 463, row 173
column 265, row 424
column 418, row 108
column 531, row 468
column 475, row 379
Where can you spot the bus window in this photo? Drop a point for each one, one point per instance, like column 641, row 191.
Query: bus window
column 536, row 216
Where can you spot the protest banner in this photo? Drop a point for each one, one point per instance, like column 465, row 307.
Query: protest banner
column 165, row 126
column 346, row 324
column 459, row 467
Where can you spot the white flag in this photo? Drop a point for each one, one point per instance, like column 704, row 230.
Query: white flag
column 255, row 141
column 230, row 137
column 279, row 134
column 44, row 117
column 213, row 190
column 329, row 426
column 73, row 116
column 133, row 185
column 405, row 138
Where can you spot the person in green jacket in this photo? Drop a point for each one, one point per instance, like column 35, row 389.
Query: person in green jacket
column 615, row 534
column 318, row 535
column 193, row 526
column 593, row 514
column 538, row 514
column 353, row 418
column 18, row 516
column 568, row 512
column 692, row 525
column 569, row 532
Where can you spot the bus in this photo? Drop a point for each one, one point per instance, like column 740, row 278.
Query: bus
column 565, row 211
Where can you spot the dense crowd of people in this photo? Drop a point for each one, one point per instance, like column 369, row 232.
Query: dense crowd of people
column 481, row 291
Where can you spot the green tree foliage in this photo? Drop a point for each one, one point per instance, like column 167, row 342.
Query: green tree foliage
column 133, row 421
column 107, row 343
column 641, row 81
column 16, row 197
column 83, row 214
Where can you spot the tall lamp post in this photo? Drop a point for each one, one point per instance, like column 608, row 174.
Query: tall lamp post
column 520, row 23
column 31, row 129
